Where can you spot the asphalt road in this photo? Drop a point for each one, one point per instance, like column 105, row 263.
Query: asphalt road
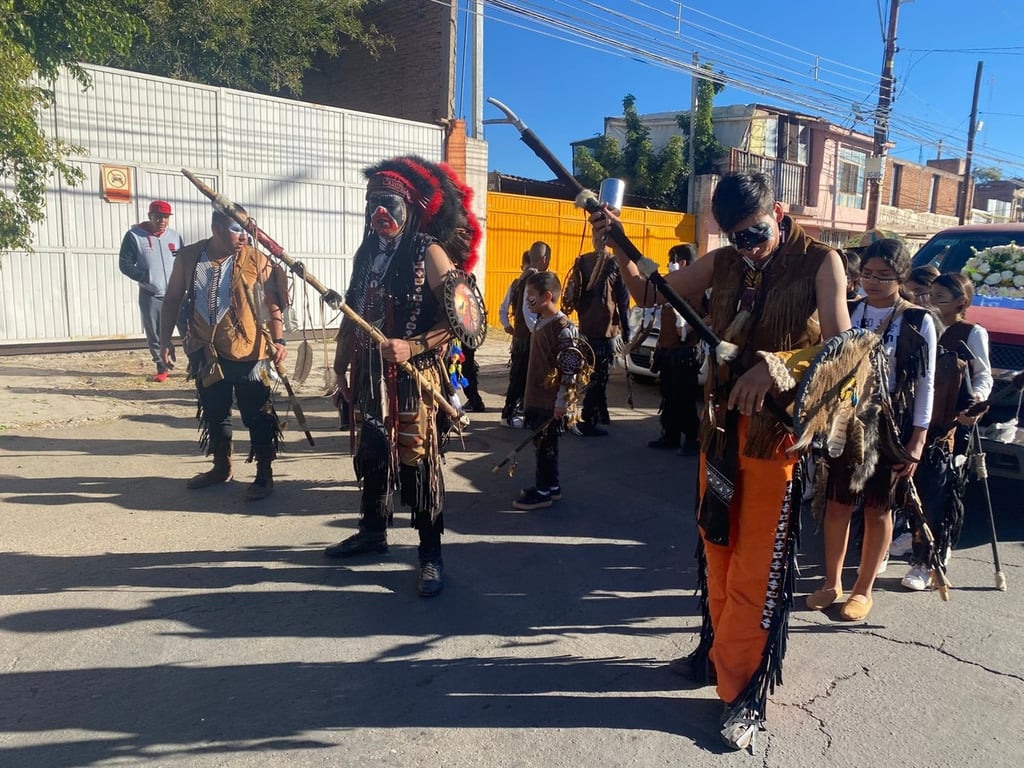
column 144, row 624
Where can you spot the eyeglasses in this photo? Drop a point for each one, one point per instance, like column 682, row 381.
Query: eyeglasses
column 236, row 229
column 877, row 279
column 751, row 237
column 922, row 295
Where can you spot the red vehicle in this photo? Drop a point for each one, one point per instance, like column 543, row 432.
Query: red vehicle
column 949, row 250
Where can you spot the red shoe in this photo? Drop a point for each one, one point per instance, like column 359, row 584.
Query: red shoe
column 161, row 376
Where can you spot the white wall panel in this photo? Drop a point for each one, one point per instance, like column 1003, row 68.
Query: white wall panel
column 369, row 139
column 34, row 305
column 103, row 302
column 284, row 139
column 134, row 118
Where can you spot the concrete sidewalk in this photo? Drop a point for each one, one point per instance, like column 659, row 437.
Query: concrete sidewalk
column 144, row 624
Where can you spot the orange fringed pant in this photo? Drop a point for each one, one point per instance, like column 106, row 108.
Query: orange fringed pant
column 738, row 574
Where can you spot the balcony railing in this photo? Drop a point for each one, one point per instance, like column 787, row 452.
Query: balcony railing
column 790, row 179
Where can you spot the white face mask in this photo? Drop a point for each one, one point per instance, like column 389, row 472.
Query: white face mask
column 673, row 266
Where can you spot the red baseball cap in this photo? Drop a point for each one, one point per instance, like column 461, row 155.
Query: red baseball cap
column 161, row 206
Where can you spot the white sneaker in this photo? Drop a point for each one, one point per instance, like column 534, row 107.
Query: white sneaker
column 918, row 578
column 902, row 545
column 884, row 566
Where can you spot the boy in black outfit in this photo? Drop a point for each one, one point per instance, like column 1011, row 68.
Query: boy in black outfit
column 556, row 364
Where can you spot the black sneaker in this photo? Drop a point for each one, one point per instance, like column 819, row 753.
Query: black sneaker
column 533, row 499
column 431, row 578
column 362, row 543
column 554, row 492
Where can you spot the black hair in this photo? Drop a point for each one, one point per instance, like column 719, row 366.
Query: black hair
column 958, row 285
column 925, row 275
column 893, row 252
column 684, row 253
column 542, row 248
column 853, row 261
column 740, row 195
column 545, row 281
column 222, row 218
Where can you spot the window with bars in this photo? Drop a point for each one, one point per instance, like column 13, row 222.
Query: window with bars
column 850, row 178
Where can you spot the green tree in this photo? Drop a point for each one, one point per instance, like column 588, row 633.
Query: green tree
column 658, row 176
column 37, row 39
column 982, row 175
column 707, row 150
column 256, row 45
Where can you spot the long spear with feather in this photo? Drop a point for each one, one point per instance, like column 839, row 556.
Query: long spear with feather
column 329, row 296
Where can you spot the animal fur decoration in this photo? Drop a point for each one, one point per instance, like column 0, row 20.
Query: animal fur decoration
column 836, row 391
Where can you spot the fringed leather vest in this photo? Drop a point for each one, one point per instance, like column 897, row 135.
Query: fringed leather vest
column 543, row 360
column 598, row 317
column 784, row 313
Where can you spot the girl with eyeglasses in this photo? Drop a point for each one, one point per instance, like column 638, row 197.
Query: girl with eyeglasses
column 909, row 339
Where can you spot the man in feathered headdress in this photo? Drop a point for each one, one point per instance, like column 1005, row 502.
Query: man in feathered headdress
column 419, row 234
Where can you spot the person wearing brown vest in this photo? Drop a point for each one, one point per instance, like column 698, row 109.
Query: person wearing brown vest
column 538, row 257
column 958, row 383
column 773, row 289
column 602, row 311
column 550, row 385
column 678, row 364
column 231, row 288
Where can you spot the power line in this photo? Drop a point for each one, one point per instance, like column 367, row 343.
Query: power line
column 597, row 26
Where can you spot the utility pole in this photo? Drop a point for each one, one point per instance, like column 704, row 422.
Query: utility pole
column 965, row 197
column 885, row 88
column 476, row 103
column 694, row 93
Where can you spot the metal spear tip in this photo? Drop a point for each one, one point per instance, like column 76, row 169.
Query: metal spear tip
column 511, row 117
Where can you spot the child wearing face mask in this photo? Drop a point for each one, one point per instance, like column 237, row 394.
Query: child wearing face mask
column 551, row 383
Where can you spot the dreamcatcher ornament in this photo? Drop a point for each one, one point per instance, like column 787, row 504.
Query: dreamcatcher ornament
column 456, row 357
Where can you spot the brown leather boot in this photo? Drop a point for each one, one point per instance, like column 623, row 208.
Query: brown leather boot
column 220, row 473
column 263, row 485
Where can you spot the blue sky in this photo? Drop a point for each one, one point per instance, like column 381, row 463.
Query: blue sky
column 563, row 89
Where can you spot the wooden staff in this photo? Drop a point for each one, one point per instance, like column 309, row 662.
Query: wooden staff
column 937, row 569
column 514, row 453
column 332, row 298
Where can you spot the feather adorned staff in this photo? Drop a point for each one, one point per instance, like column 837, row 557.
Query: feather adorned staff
column 329, row 296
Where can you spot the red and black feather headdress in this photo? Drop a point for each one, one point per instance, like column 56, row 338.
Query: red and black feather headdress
column 442, row 198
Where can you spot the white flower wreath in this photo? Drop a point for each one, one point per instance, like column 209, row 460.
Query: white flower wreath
column 997, row 271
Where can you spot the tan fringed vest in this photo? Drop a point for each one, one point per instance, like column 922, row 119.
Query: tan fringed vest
column 238, row 335
column 785, row 318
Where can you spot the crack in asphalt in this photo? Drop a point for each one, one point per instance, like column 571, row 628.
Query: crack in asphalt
column 938, row 649
column 805, row 706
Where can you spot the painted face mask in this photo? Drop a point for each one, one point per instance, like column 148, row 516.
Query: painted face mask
column 748, row 239
column 387, row 214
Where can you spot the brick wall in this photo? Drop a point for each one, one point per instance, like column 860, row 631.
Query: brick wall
column 916, row 185
column 415, row 80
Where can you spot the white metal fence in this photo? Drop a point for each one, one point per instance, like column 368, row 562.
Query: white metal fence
column 296, row 167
